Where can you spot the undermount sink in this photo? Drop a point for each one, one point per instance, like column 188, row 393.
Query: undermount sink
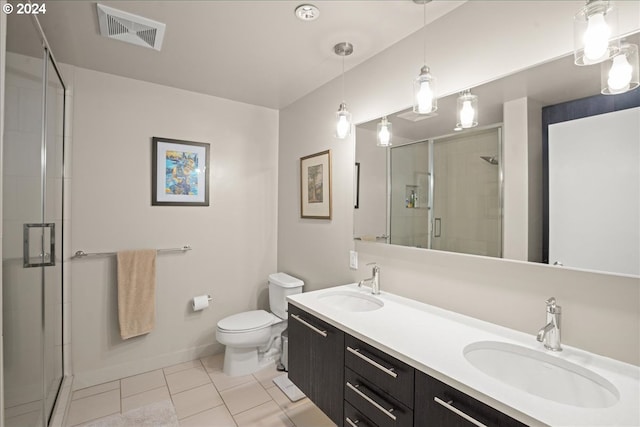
column 351, row 301
column 541, row 374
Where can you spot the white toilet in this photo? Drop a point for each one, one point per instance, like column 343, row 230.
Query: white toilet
column 252, row 338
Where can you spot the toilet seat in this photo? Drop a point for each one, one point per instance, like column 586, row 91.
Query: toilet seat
column 246, row 321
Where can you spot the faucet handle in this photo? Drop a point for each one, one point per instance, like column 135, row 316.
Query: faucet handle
column 552, row 307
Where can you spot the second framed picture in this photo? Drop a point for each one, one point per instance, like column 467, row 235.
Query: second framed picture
column 315, row 186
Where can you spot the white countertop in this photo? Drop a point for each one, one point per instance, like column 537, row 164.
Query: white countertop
column 432, row 340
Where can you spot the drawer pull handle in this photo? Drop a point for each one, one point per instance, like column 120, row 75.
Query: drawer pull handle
column 458, row 412
column 352, row 423
column 387, row 412
column 388, row 371
column 309, row 325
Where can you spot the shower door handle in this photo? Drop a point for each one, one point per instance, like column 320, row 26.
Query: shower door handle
column 437, row 227
column 42, row 259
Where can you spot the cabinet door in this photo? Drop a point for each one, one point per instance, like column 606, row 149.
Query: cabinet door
column 438, row 404
column 316, row 361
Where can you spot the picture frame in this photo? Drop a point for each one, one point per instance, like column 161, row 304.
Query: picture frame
column 179, row 173
column 315, row 185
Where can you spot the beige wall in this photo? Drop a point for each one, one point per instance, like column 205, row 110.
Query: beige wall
column 3, row 46
column 601, row 312
column 233, row 240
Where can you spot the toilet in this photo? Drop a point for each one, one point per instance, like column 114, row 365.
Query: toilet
column 252, row 338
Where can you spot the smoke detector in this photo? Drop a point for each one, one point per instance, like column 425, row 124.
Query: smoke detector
column 130, row 28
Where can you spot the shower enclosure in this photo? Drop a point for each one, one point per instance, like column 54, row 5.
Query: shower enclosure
column 32, row 219
column 446, row 193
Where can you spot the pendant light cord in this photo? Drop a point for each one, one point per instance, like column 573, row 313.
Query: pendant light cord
column 343, row 77
column 424, row 30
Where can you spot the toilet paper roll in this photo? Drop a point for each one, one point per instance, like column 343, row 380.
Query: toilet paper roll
column 200, row 302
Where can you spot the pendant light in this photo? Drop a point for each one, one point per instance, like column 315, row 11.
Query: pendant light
column 621, row 73
column 593, row 27
column 425, row 99
column 467, row 110
column 343, row 116
column 384, row 133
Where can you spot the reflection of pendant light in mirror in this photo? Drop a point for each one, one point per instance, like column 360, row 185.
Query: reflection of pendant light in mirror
column 384, row 133
column 593, row 27
column 343, row 116
column 467, row 110
column 425, row 99
column 621, row 73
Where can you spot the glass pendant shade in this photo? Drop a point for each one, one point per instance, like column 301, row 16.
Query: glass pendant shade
column 425, row 100
column 593, row 27
column 384, row 133
column 621, row 74
column 467, row 110
column 343, row 122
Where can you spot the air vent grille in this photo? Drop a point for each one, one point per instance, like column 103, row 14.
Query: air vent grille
column 130, row 28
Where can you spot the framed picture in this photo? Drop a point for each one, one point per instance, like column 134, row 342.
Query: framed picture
column 180, row 173
column 315, row 186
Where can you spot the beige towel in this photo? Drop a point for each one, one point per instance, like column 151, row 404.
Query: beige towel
column 136, row 292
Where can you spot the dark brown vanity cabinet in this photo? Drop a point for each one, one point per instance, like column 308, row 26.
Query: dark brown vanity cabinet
column 377, row 385
column 438, row 404
column 316, row 361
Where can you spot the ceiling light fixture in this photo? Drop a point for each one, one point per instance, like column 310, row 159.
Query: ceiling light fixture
column 467, row 110
column 425, row 99
column 621, row 74
column 307, row 12
column 343, row 116
column 593, row 27
column 384, row 133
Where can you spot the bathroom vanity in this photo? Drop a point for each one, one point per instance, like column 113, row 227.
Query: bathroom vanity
column 385, row 360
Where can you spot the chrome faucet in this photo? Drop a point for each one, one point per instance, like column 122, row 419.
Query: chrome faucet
column 549, row 335
column 373, row 281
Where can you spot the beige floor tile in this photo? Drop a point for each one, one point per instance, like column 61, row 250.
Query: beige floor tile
column 187, row 379
column 142, row 382
column 96, row 389
column 308, row 415
column 94, row 407
column 182, row 366
column 225, row 382
column 196, row 400
column 145, row 398
column 282, row 400
column 266, row 415
column 245, row 396
column 266, row 376
column 213, row 363
column 216, row 417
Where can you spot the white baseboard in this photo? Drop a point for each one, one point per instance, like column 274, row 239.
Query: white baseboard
column 139, row 366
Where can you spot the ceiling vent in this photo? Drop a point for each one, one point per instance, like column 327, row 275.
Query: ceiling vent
column 130, row 28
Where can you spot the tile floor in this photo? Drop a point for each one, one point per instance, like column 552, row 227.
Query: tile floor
column 202, row 395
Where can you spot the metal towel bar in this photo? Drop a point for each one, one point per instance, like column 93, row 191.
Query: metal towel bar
column 82, row 254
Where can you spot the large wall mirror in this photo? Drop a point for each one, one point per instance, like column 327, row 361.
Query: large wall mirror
column 439, row 187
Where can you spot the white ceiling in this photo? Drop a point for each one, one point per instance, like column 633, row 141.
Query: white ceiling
column 256, row 52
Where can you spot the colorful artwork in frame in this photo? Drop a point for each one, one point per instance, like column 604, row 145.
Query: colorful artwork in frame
column 315, row 186
column 180, row 173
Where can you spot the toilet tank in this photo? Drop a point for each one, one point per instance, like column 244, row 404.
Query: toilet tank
column 282, row 285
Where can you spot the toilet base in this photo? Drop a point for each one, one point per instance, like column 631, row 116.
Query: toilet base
column 245, row 361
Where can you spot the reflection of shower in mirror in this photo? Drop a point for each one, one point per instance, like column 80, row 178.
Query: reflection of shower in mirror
column 490, row 159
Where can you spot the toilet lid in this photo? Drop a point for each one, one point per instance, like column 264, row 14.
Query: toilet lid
column 246, row 321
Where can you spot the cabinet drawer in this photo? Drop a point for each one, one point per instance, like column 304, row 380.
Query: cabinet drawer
column 438, row 404
column 392, row 376
column 355, row 418
column 382, row 409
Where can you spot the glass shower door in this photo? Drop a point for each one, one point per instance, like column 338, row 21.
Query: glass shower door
column 32, row 214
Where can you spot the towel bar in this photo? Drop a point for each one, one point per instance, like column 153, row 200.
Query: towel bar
column 82, row 254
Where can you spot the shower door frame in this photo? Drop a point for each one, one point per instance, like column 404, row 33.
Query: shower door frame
column 49, row 394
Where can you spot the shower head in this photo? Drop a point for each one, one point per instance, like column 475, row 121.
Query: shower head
column 490, row 159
